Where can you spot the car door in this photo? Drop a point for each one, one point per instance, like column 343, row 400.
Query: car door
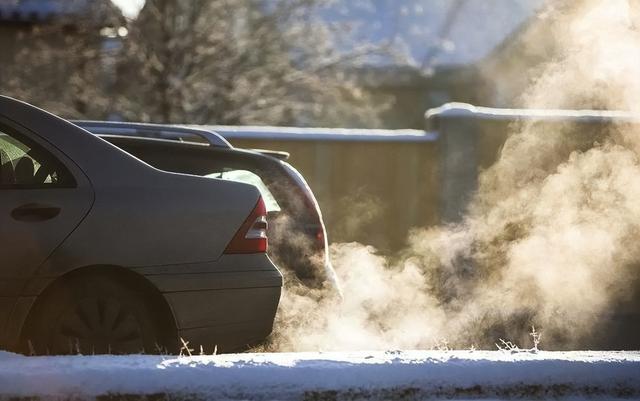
column 43, row 197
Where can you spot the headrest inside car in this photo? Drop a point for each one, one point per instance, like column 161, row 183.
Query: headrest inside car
column 25, row 171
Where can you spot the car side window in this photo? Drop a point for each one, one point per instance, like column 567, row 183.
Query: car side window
column 251, row 178
column 26, row 165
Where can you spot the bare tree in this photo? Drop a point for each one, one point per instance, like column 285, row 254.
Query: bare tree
column 240, row 62
column 197, row 61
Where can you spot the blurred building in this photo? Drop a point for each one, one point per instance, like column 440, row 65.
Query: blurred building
column 61, row 54
column 440, row 50
column 18, row 18
column 507, row 71
column 412, row 91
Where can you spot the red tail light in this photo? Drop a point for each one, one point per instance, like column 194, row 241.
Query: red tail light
column 320, row 238
column 252, row 235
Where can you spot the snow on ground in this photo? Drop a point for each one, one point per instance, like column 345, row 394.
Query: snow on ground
column 331, row 376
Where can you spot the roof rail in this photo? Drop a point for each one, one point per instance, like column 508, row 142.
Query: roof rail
column 278, row 154
column 158, row 131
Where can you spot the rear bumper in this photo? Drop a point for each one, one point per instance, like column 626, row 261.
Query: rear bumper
column 228, row 304
column 228, row 320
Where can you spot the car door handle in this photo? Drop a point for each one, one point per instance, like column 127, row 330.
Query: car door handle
column 33, row 212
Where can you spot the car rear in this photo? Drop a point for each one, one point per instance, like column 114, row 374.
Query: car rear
column 228, row 304
column 204, row 246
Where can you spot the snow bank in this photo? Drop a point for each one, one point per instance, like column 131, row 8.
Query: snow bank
column 466, row 110
column 319, row 376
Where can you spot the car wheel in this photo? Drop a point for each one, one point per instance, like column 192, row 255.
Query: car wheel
column 93, row 315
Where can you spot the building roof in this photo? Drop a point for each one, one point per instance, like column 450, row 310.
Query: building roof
column 43, row 10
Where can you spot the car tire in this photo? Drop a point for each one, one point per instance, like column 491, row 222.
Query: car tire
column 93, row 314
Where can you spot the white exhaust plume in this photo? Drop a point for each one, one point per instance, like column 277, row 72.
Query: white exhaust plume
column 550, row 238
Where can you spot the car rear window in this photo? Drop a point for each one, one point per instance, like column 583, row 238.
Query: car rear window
column 251, row 178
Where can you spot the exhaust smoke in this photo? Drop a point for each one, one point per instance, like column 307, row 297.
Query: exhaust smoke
column 550, row 238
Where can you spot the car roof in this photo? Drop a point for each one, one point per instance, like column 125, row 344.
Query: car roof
column 159, row 131
column 274, row 160
column 261, row 154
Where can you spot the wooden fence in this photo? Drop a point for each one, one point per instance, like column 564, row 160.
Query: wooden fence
column 374, row 186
